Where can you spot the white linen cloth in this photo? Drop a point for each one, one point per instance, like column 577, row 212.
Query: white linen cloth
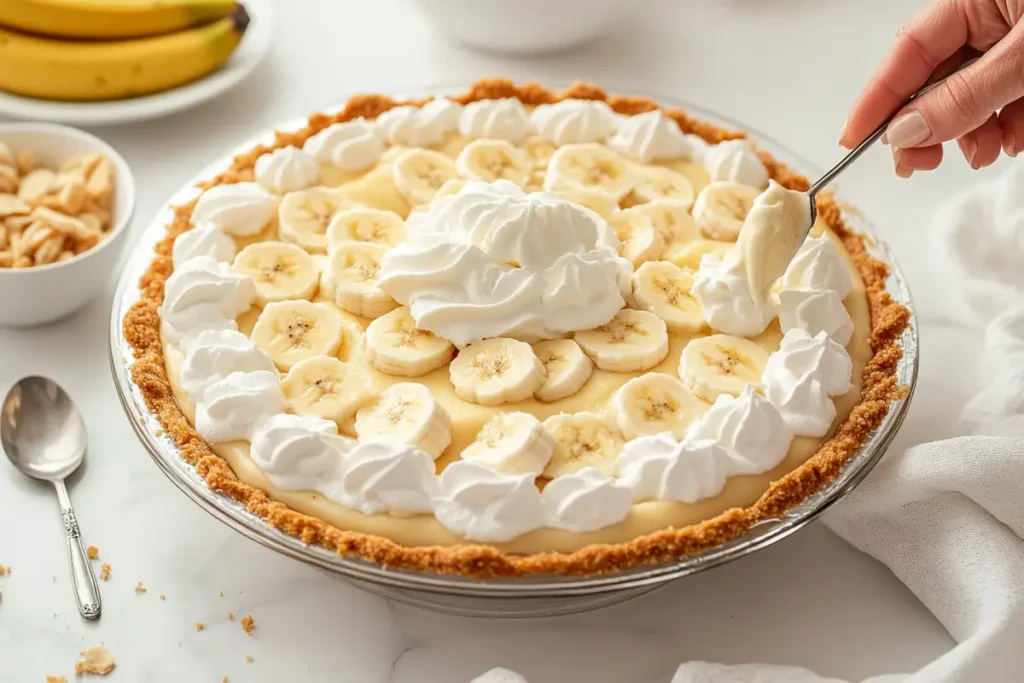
column 947, row 517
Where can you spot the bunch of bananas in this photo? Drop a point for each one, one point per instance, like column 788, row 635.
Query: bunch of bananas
column 89, row 50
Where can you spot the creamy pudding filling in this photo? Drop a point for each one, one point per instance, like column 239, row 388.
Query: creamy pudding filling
column 534, row 328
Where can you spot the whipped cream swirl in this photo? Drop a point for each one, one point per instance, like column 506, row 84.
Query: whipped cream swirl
column 503, row 119
column 385, row 476
column 241, row 209
column 737, row 161
column 723, row 292
column 215, row 354
column 749, row 428
column 206, row 239
column 424, row 126
column 660, row 467
column 287, row 169
column 483, row 505
column 230, row 408
column 299, row 452
column 352, row 145
column 493, row 261
column 652, row 136
column 572, row 122
column 585, row 501
column 802, row 376
column 204, row 295
column 818, row 265
column 815, row 310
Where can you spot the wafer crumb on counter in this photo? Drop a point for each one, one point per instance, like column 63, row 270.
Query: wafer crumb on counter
column 222, row 594
column 248, row 624
column 4, row 571
column 56, row 679
column 93, row 552
column 105, row 571
column 249, row 658
column 163, row 597
column 95, row 660
column 139, row 588
column 231, row 616
column 200, row 626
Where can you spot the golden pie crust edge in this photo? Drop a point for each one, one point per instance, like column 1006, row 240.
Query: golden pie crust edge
column 889, row 319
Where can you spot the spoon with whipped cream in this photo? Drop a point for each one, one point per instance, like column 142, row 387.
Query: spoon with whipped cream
column 780, row 219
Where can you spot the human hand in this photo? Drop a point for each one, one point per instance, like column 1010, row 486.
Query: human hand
column 965, row 106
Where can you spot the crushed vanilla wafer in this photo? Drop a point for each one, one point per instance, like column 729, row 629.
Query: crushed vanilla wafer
column 139, row 588
column 93, row 552
column 56, row 679
column 248, row 624
column 200, row 626
column 95, row 660
column 105, row 571
column 231, row 616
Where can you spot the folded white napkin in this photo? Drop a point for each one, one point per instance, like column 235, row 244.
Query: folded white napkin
column 947, row 517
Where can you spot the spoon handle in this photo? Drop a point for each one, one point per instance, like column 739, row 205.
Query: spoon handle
column 87, row 590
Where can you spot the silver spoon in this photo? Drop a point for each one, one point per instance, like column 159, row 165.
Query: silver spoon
column 44, row 437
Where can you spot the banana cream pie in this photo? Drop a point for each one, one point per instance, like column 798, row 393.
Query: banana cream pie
column 513, row 331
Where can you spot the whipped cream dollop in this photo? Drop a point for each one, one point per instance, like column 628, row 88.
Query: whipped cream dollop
column 494, row 261
column 215, row 354
column 424, row 126
column 502, row 119
column 586, row 500
column 771, row 236
column 241, row 209
column 230, row 408
column 205, row 239
column 299, row 452
column 483, row 505
column 572, row 122
column 287, row 169
column 202, row 295
column 737, row 161
column 352, row 145
column 749, row 428
column 385, row 476
column 802, row 376
column 660, row 467
column 818, row 265
column 814, row 311
column 723, row 292
column 653, row 136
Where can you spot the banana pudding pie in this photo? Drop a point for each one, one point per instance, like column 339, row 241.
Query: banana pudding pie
column 513, row 331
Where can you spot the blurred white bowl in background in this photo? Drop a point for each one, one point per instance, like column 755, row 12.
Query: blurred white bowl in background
column 523, row 26
column 33, row 296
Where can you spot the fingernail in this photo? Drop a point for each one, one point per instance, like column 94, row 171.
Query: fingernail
column 842, row 133
column 908, row 130
column 903, row 172
column 1010, row 145
column 885, row 138
column 969, row 147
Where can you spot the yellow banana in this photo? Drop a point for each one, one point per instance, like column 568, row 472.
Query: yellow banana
column 110, row 19
column 67, row 70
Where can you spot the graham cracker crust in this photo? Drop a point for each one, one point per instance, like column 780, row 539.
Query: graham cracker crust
column 889, row 319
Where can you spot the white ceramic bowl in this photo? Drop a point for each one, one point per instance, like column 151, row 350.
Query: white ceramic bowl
column 523, row 26
column 33, row 296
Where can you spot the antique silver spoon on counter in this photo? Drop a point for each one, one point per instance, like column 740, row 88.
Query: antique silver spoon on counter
column 44, row 437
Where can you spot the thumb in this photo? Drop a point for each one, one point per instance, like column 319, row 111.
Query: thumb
column 965, row 100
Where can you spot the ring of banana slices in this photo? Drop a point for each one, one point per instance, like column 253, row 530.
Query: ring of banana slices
column 664, row 406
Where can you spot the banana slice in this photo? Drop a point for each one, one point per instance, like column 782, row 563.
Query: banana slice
column 591, row 167
column 631, row 341
column 326, row 387
column 567, row 366
column 365, row 225
column 419, row 174
column 407, row 413
column 491, row 160
column 539, row 151
column 639, row 240
column 351, row 279
column 690, row 255
column 676, row 227
column 395, row 346
column 513, row 443
column 303, row 216
column 582, row 440
column 657, row 183
column 450, row 187
column 721, row 364
column 663, row 288
column 602, row 204
column 496, row 371
column 280, row 270
column 290, row 331
column 655, row 403
column 721, row 208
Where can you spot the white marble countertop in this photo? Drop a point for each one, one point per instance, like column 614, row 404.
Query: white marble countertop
column 789, row 68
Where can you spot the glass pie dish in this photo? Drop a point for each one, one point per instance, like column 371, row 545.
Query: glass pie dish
column 524, row 596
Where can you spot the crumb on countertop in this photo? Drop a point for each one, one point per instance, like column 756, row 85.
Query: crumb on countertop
column 163, row 597
column 56, row 679
column 231, row 616
column 248, row 624
column 5, row 571
column 93, row 552
column 95, row 660
column 248, row 658
column 222, row 594
column 200, row 626
column 105, row 571
column 139, row 588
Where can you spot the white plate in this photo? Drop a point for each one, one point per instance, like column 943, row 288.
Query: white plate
column 253, row 48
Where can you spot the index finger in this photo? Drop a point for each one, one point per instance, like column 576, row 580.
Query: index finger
column 926, row 41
